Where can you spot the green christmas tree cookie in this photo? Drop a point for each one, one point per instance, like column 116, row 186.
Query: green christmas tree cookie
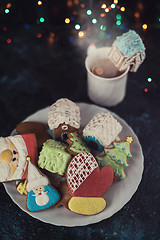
column 76, row 144
column 54, row 157
column 116, row 157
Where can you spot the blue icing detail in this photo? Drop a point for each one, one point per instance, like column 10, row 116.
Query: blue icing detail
column 117, row 144
column 114, row 156
column 129, row 154
column 50, row 132
column 90, row 138
column 129, row 44
column 101, row 163
column 51, row 193
column 124, row 164
column 119, row 160
column 123, row 148
column 107, row 151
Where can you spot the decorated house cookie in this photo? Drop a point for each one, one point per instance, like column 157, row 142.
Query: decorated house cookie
column 38, row 128
column 76, row 144
column 101, row 131
column 63, row 118
column 116, row 157
column 88, row 184
column 13, row 153
column 40, row 194
column 127, row 50
column 54, row 157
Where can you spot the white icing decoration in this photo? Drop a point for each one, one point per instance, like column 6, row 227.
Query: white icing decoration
column 103, row 127
column 4, row 172
column 35, row 178
column 19, row 143
column 65, row 127
column 42, row 199
column 64, row 111
column 81, row 166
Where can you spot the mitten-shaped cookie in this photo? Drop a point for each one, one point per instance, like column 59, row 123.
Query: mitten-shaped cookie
column 88, row 184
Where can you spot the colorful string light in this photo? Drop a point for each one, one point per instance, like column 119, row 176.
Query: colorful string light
column 146, row 90
column 149, row 79
column 41, row 19
column 103, row 6
column 27, row 26
column 122, row 9
column 9, row 5
column 9, row 40
column 77, row 26
column 82, row 5
column 89, row 12
column 144, row 26
column 39, row 3
column 67, row 20
column 94, row 20
column 103, row 27
column 81, row 34
column 39, row 35
column 6, row 10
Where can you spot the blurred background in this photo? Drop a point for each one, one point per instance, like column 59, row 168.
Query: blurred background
column 43, row 46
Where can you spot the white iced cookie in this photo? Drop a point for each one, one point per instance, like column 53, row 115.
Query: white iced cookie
column 127, row 50
column 63, row 117
column 102, row 130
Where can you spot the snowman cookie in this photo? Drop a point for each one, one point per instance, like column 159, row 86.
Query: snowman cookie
column 40, row 194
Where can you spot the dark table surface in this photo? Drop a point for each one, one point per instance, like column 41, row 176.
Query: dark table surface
column 35, row 73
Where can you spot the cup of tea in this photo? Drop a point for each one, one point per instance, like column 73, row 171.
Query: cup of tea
column 106, row 84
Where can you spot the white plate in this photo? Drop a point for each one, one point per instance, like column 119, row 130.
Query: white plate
column 116, row 197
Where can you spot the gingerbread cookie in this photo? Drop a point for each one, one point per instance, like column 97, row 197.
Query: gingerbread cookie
column 127, row 50
column 63, row 118
column 88, row 184
column 116, row 157
column 76, row 144
column 38, row 128
column 101, row 131
column 66, row 195
column 13, row 153
column 53, row 157
column 40, row 194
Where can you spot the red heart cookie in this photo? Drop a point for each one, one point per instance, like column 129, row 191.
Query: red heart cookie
column 86, row 179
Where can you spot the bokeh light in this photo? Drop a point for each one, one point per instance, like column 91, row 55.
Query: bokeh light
column 41, row 19
column 39, row 3
column 6, row 10
column 144, row 26
column 81, row 34
column 89, row 12
column 122, row 9
column 67, row 20
column 77, row 26
column 94, row 20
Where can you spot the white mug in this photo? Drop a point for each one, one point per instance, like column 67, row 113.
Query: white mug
column 104, row 91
